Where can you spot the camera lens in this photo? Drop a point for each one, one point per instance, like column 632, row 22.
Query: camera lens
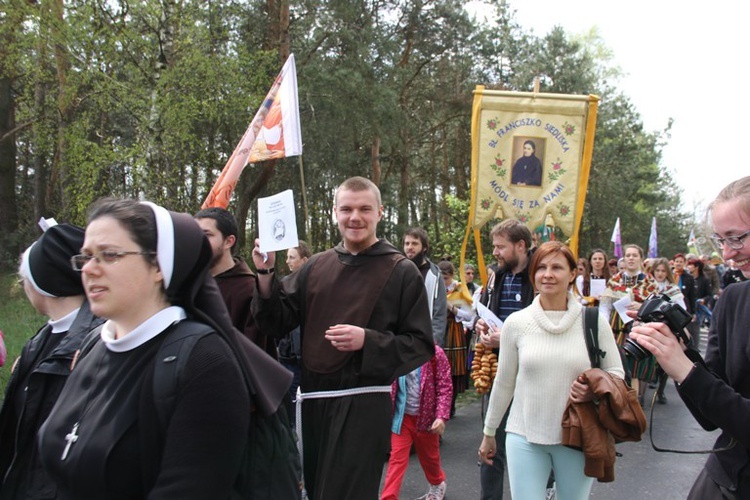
column 634, row 350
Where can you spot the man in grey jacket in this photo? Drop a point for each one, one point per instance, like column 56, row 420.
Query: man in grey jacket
column 416, row 247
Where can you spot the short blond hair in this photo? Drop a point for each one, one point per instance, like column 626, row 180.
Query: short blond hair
column 736, row 190
column 359, row 184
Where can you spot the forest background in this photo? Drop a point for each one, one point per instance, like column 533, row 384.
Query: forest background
column 148, row 98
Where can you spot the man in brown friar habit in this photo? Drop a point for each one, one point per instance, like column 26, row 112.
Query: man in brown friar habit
column 364, row 319
column 235, row 280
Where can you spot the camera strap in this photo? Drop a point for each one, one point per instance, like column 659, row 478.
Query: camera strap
column 729, row 446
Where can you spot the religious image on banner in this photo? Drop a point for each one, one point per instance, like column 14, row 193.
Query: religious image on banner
column 279, row 135
column 527, row 169
column 269, row 143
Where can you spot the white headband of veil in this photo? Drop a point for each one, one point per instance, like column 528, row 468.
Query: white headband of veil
column 26, row 272
column 164, row 241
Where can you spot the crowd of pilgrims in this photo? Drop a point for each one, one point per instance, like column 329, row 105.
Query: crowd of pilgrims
column 167, row 283
column 694, row 282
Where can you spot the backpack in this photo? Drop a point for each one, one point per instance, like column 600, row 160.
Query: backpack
column 271, row 465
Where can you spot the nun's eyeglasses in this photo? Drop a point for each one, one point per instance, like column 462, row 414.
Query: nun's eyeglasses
column 106, row 256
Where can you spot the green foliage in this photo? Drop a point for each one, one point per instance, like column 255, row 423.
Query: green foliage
column 18, row 321
column 452, row 236
column 149, row 99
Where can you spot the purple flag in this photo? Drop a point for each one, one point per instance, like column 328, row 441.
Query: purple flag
column 617, row 239
column 653, row 252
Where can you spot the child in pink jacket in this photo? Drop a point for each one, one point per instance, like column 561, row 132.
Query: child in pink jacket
column 422, row 405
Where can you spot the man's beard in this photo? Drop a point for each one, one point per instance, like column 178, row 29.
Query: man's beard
column 419, row 258
column 509, row 264
column 215, row 258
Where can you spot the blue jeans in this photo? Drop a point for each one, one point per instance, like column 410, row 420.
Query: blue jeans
column 702, row 311
column 529, row 466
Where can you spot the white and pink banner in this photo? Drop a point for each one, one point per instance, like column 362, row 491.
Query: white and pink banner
column 274, row 133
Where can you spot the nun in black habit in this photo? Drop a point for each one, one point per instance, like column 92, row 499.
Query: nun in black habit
column 146, row 270
column 527, row 170
column 55, row 290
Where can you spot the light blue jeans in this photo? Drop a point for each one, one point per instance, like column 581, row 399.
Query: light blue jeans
column 529, row 466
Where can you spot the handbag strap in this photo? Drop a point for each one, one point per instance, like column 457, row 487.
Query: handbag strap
column 591, row 334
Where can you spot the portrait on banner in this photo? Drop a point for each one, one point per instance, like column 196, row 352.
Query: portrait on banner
column 528, row 167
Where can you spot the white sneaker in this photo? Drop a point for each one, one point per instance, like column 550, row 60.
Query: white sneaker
column 436, row 492
column 551, row 492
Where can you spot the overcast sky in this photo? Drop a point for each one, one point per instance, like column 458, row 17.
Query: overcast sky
column 684, row 60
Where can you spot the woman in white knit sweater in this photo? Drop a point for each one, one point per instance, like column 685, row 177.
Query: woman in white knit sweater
column 542, row 352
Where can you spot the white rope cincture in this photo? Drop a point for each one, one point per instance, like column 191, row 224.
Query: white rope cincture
column 301, row 396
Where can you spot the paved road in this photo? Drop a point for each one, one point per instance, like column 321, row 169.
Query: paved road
column 640, row 473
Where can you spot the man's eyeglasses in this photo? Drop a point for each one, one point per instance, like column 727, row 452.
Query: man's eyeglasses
column 105, row 256
column 733, row 242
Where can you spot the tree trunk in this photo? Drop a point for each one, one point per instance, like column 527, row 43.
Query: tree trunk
column 462, row 159
column 445, row 179
column 274, row 16
column 161, row 185
column 376, row 160
column 284, row 48
column 58, row 178
column 41, row 180
column 403, row 202
column 9, row 222
column 248, row 191
column 9, row 218
column 431, row 216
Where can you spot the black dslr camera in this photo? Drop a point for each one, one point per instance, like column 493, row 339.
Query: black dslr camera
column 659, row 309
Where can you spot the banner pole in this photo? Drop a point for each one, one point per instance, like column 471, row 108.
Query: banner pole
column 304, row 195
column 583, row 180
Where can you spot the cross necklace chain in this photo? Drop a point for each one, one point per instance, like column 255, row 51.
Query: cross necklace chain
column 72, row 436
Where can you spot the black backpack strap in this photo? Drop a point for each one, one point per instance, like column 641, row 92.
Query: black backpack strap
column 170, row 362
column 591, row 334
column 171, row 358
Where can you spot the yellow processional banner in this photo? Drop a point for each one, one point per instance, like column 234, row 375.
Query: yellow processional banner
column 531, row 155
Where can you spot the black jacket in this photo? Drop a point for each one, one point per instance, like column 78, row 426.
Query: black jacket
column 703, row 289
column 687, row 285
column 717, row 391
column 21, row 472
